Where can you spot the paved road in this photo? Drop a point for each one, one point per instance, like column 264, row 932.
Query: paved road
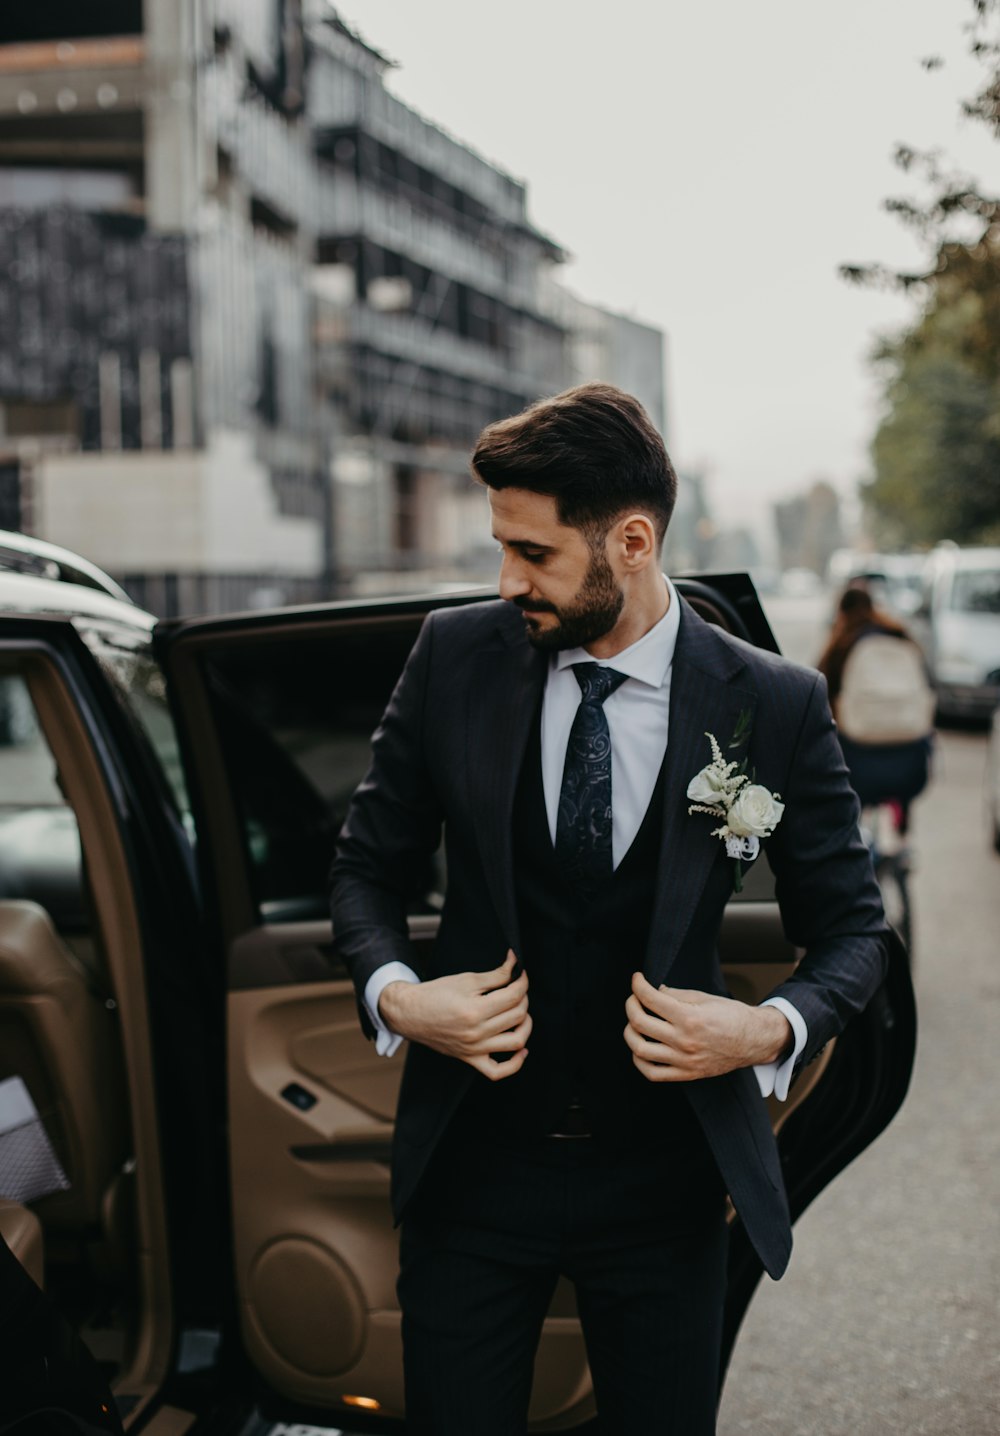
column 800, row 624
column 889, row 1317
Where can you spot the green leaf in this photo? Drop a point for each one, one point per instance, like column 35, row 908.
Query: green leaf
column 742, row 730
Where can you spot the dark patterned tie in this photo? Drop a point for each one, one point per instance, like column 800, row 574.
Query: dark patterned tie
column 583, row 825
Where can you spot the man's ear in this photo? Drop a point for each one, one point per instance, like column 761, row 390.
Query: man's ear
column 637, row 536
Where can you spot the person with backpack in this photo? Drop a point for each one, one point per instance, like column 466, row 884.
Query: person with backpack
column 882, row 701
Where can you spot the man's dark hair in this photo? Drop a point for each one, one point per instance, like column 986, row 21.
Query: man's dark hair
column 593, row 449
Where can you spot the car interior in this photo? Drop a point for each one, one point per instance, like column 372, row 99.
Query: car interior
column 72, row 1030
column 275, row 746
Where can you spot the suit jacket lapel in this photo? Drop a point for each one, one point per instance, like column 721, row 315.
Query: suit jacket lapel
column 503, row 700
column 703, row 699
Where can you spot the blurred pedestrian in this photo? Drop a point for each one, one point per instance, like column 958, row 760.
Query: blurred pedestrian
column 883, row 703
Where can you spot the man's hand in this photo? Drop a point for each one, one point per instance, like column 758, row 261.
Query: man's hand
column 467, row 1015
column 677, row 1035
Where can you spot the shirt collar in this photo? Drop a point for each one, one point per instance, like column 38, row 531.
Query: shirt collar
column 648, row 659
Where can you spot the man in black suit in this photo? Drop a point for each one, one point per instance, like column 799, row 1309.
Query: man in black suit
column 579, row 1092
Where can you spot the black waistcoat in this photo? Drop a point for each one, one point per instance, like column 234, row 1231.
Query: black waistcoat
column 580, row 949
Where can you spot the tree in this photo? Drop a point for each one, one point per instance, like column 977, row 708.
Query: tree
column 937, row 449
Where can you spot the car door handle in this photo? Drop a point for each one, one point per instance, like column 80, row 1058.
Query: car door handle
column 353, row 1144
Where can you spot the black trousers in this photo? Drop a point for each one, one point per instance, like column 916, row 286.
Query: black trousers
column 642, row 1235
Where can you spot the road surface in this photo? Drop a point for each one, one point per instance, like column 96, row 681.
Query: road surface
column 889, row 1317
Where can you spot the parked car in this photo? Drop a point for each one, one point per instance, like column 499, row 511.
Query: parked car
column 170, row 794
column 894, row 580
column 959, row 625
column 993, row 779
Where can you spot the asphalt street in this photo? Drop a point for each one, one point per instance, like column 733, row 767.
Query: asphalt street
column 888, row 1319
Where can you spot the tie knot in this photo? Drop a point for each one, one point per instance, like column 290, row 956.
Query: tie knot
column 596, row 681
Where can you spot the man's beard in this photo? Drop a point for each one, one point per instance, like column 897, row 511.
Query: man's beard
column 591, row 614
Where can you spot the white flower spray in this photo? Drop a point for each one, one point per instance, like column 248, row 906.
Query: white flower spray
column 749, row 811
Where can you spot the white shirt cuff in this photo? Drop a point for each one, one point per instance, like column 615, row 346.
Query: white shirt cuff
column 386, row 1041
column 776, row 1076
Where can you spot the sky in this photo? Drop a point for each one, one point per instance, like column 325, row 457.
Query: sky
column 708, row 167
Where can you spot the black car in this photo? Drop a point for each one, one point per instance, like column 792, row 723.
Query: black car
column 171, row 1001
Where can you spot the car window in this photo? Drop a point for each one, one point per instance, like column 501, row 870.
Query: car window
column 136, row 678
column 27, row 768
column 295, row 718
column 976, row 591
column 39, row 838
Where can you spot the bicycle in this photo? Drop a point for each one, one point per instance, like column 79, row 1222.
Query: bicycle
column 893, row 863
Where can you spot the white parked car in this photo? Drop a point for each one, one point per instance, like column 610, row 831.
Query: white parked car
column 993, row 779
column 961, row 614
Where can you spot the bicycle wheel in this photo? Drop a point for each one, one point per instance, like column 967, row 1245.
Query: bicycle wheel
column 893, row 875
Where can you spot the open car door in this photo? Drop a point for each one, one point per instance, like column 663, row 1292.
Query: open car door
column 275, row 712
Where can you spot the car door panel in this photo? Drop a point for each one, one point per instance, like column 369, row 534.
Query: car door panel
column 340, row 1058
column 313, row 1239
column 313, row 1201
column 316, row 1249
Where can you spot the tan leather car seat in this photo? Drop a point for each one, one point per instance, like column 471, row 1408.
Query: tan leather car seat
column 58, row 1033
column 22, row 1231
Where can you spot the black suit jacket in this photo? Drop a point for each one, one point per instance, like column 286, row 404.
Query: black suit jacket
column 449, row 749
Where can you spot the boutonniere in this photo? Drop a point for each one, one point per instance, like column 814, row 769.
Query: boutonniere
column 749, row 811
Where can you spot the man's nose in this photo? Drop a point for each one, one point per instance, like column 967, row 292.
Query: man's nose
column 514, row 582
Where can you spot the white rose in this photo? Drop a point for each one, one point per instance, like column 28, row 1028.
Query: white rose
column 754, row 813
column 707, row 787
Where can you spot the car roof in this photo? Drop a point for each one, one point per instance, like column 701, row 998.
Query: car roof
column 23, row 553
column 959, row 558
column 25, row 593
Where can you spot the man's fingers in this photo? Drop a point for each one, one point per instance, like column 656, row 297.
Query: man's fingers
column 497, row 1071
column 665, row 1061
column 646, row 1022
column 651, row 1050
column 498, row 977
column 673, row 1004
column 501, row 1021
column 654, row 999
column 500, row 999
column 510, row 1041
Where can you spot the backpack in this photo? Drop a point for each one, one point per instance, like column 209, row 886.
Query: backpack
column 885, row 697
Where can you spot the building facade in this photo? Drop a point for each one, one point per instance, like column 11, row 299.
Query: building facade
column 616, row 348
column 430, row 321
column 254, row 309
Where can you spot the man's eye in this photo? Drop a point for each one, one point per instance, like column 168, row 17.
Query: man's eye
column 532, row 557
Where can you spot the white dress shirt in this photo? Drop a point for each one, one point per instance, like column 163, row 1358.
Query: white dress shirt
column 638, row 714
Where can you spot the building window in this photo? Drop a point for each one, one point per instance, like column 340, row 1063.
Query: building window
column 38, row 187
column 22, row 24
